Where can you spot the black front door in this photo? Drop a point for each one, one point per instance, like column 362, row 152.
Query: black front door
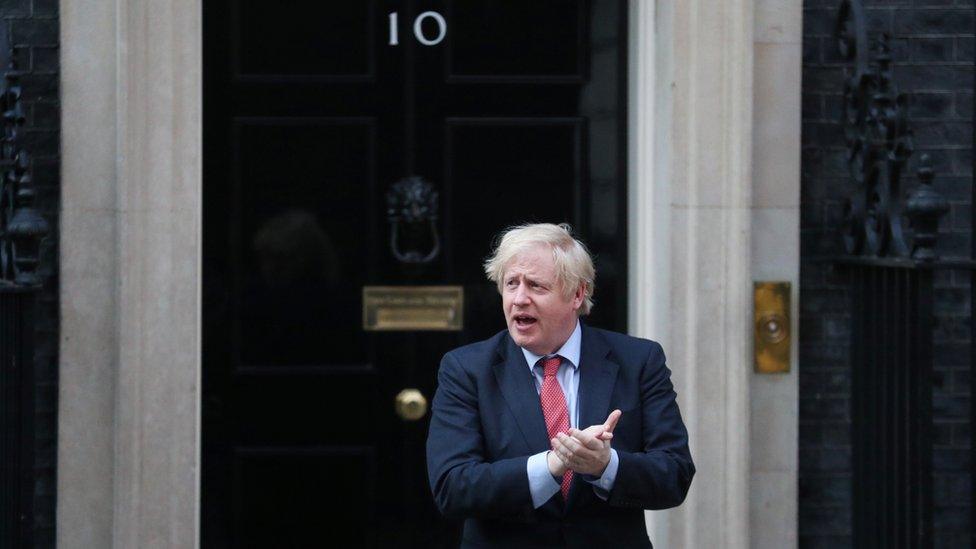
column 501, row 112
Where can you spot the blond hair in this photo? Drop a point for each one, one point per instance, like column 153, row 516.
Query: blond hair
column 574, row 266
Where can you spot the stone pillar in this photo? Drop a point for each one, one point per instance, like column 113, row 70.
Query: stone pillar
column 774, row 433
column 691, row 279
column 129, row 404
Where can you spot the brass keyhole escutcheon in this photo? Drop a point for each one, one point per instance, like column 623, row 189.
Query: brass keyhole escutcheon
column 410, row 404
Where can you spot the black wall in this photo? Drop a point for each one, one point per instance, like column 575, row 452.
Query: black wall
column 34, row 31
column 932, row 45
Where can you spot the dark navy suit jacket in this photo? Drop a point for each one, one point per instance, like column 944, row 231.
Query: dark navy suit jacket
column 487, row 421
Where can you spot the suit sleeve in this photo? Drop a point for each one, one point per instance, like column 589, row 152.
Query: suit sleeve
column 463, row 482
column 660, row 475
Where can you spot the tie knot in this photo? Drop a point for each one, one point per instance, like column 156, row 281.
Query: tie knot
column 550, row 366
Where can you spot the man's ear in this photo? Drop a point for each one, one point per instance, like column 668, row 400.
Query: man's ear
column 579, row 296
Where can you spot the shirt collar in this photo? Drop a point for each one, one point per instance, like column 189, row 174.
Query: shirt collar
column 570, row 351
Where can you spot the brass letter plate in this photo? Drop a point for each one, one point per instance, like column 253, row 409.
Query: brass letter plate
column 415, row 308
column 772, row 327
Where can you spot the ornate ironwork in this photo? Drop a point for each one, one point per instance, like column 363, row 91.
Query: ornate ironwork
column 889, row 241
column 21, row 226
column 21, row 229
column 924, row 208
column 412, row 205
column 879, row 145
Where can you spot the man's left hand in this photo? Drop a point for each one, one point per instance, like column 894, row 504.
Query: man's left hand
column 587, row 451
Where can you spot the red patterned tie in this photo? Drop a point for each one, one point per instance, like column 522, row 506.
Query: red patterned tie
column 554, row 408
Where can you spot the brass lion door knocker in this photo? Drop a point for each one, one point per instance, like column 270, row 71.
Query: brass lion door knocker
column 412, row 212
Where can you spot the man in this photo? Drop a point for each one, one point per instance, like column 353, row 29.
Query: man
column 506, row 451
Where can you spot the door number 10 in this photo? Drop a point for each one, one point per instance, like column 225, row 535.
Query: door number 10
column 418, row 31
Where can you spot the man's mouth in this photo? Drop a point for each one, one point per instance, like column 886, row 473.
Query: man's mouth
column 524, row 321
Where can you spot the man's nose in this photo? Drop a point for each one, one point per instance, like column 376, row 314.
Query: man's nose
column 521, row 296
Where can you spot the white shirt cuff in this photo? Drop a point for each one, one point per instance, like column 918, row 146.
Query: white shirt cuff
column 542, row 485
column 603, row 484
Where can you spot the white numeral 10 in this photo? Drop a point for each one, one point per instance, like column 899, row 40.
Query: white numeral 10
column 418, row 32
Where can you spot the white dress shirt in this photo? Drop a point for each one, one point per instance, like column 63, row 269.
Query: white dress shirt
column 542, row 484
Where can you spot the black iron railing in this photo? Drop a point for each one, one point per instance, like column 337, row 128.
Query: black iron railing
column 892, row 405
column 21, row 231
column 889, row 250
column 16, row 416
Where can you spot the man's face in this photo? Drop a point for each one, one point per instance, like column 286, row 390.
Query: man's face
column 539, row 315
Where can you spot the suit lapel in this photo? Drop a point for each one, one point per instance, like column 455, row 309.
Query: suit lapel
column 597, row 377
column 518, row 388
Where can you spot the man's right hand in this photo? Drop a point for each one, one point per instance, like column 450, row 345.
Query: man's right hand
column 556, row 467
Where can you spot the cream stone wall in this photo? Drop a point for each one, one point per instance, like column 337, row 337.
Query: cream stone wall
column 775, row 250
column 129, row 404
column 88, row 225
column 714, row 190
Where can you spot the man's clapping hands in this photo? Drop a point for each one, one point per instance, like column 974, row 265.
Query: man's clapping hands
column 586, row 452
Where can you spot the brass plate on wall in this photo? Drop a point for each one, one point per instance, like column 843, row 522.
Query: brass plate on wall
column 772, row 327
column 413, row 308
